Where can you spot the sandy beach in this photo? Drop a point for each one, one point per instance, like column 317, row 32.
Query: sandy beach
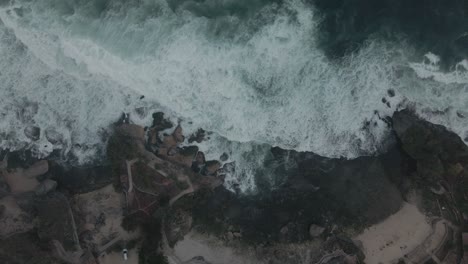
column 396, row 236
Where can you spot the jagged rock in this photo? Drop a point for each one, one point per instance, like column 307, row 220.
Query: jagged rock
column 439, row 153
column 198, row 137
column 32, row 132
column 178, row 134
column 211, row 167
column 199, row 161
column 425, row 141
column 53, row 136
column 160, row 123
column 315, row 230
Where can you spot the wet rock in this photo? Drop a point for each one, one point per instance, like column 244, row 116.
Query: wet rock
column 438, row 152
column 198, row 137
column 32, row 132
column 229, row 168
column 315, row 230
column 161, row 123
column 178, row 134
column 53, row 136
column 391, row 92
column 224, row 157
column 198, row 162
column 211, row 167
column 124, row 119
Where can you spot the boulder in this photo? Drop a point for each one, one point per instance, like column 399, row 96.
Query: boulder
column 211, row 167
column 198, row 137
column 32, row 132
column 425, row 141
column 178, row 134
column 161, row 123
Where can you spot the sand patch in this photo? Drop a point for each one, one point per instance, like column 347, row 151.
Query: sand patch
column 396, row 236
column 211, row 249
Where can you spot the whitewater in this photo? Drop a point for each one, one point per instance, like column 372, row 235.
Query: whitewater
column 256, row 78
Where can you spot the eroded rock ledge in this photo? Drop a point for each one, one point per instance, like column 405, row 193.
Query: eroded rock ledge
column 159, row 198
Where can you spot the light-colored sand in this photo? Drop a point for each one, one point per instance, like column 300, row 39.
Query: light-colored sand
column 396, row 236
column 211, row 249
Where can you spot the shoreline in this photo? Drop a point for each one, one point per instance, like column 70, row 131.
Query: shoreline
column 162, row 197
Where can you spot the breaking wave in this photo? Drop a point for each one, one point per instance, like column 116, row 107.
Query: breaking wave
column 253, row 72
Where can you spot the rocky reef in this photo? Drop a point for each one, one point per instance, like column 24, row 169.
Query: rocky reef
column 158, row 200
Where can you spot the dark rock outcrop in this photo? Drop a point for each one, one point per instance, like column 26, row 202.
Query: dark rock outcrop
column 82, row 179
column 55, row 221
column 440, row 155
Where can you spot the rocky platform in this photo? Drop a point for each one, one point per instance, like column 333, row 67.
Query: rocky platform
column 160, row 199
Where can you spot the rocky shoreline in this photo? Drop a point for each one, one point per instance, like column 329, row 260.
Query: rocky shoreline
column 160, row 199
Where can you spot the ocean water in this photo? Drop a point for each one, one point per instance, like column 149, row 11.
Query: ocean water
column 316, row 76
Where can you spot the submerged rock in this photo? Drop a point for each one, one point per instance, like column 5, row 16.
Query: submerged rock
column 32, row 132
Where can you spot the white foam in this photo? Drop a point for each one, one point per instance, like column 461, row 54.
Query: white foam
column 431, row 70
column 271, row 84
